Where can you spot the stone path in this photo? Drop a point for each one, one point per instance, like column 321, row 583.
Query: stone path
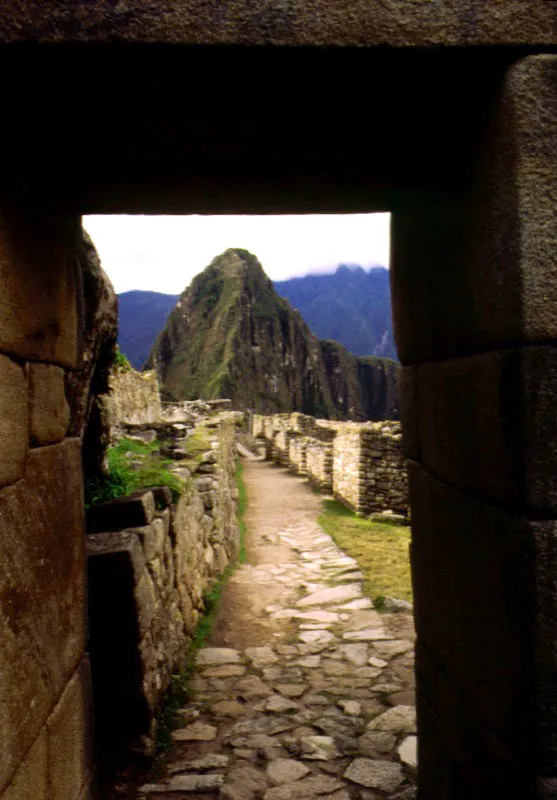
column 306, row 692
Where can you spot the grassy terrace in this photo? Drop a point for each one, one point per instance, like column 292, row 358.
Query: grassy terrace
column 380, row 550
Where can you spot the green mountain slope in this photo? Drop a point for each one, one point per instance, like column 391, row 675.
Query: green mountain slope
column 231, row 335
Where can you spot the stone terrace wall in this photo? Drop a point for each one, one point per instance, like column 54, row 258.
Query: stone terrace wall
column 45, row 704
column 134, row 398
column 347, row 467
column 362, row 464
column 383, row 473
column 146, row 587
column 319, row 463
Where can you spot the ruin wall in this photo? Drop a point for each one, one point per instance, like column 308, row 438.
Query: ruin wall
column 45, row 697
column 361, row 463
column 134, row 398
column 156, row 574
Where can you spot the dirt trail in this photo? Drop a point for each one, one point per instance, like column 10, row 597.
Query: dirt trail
column 304, row 691
column 275, row 501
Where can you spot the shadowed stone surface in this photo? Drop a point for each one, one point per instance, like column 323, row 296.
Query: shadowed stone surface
column 70, row 746
column 42, row 595
column 14, row 424
column 31, row 779
column 49, row 410
column 397, row 23
column 38, row 311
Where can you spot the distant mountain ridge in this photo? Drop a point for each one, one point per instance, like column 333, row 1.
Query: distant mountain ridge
column 351, row 306
column 141, row 317
column 231, row 335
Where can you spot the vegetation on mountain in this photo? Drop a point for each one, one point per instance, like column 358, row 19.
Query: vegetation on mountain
column 231, row 335
column 351, row 306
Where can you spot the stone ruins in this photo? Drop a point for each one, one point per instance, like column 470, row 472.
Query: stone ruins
column 463, row 154
column 362, row 464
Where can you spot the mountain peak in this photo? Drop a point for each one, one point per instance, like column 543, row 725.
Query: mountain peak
column 231, row 335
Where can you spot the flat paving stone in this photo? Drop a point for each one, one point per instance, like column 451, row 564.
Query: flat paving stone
column 408, row 751
column 285, row 770
column 217, row 655
column 333, row 594
column 375, row 774
column 196, row 732
column 401, row 719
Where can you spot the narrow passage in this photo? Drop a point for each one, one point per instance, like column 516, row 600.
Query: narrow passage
column 304, row 691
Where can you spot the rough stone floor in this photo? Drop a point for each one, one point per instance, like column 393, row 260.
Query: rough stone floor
column 305, row 691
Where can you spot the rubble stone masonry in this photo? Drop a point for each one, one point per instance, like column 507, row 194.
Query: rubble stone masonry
column 362, row 464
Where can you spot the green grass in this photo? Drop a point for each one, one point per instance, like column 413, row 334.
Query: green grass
column 179, row 692
column 380, row 550
column 197, row 443
column 124, row 478
column 242, row 505
column 121, row 362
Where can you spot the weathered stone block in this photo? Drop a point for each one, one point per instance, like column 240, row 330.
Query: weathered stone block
column 152, row 537
column 70, row 730
column 49, row 412
column 484, row 605
column 134, row 511
column 38, row 306
column 13, row 420
column 473, row 268
column 408, row 411
column 162, row 495
column 31, row 779
column 42, row 594
column 487, row 424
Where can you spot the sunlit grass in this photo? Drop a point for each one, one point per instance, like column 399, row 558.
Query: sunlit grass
column 380, row 550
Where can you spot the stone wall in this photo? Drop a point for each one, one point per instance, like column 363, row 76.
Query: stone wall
column 369, row 470
column 363, row 464
column 147, row 584
column 134, row 398
column 45, row 700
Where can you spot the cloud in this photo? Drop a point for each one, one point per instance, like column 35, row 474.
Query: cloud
column 164, row 253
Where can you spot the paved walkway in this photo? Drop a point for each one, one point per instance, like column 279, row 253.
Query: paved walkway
column 305, row 691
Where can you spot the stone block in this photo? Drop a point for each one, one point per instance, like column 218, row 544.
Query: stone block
column 163, row 496
column 134, row 511
column 31, row 779
column 70, row 738
column 38, row 307
column 487, row 424
column 407, row 379
column 14, row 423
column 120, row 611
column 152, row 536
column 42, row 594
column 397, row 24
column 473, row 267
column 49, row 412
column 484, row 605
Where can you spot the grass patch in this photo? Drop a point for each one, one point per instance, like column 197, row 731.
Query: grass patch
column 179, row 692
column 241, row 510
column 197, row 443
column 133, row 465
column 380, row 550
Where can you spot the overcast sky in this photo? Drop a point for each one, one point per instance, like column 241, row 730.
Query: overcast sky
column 163, row 254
